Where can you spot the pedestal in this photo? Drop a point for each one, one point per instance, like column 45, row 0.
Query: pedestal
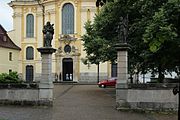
column 122, row 74
column 46, row 82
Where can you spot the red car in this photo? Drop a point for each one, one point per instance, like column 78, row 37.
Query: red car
column 108, row 82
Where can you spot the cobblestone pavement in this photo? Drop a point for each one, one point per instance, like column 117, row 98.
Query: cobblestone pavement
column 79, row 102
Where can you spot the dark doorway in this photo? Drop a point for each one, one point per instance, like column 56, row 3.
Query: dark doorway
column 67, row 69
column 29, row 73
column 114, row 70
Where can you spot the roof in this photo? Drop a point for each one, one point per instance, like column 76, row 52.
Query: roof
column 5, row 41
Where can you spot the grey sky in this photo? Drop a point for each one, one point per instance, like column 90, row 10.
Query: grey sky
column 6, row 13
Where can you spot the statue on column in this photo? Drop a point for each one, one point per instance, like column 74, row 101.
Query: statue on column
column 122, row 29
column 48, row 32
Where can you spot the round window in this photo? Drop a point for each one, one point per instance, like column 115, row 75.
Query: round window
column 67, row 49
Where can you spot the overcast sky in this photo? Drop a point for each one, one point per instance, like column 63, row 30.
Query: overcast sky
column 6, row 13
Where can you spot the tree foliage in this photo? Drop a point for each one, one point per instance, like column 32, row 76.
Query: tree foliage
column 153, row 34
column 93, row 45
column 162, row 36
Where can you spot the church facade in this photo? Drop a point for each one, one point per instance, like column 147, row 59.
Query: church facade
column 68, row 17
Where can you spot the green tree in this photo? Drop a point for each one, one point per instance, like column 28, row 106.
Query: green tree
column 162, row 37
column 94, row 47
column 106, row 23
column 153, row 34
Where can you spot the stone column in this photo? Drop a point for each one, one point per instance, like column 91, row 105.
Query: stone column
column 46, row 82
column 122, row 81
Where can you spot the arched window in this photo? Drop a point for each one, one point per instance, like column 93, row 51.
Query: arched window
column 29, row 53
column 29, row 73
column 68, row 19
column 30, row 25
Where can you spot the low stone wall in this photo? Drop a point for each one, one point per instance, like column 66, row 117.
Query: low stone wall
column 159, row 98
column 23, row 95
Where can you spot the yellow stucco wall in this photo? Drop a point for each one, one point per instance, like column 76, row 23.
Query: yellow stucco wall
column 5, row 63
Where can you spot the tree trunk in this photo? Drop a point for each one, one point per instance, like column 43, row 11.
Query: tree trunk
column 143, row 78
column 161, row 74
column 97, row 72
column 131, row 78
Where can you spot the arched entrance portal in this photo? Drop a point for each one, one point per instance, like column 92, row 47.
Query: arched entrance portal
column 67, row 69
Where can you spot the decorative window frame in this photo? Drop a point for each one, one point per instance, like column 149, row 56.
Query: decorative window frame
column 60, row 15
column 25, row 25
column 25, row 52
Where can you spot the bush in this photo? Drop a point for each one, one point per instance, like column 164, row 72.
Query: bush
column 12, row 77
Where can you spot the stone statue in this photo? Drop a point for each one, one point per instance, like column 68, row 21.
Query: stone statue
column 48, row 32
column 122, row 29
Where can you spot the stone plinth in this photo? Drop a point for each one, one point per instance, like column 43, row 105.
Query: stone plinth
column 122, row 74
column 122, row 64
column 46, row 82
column 46, row 50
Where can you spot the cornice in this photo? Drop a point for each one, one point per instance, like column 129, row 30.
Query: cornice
column 17, row 14
column 22, row 3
